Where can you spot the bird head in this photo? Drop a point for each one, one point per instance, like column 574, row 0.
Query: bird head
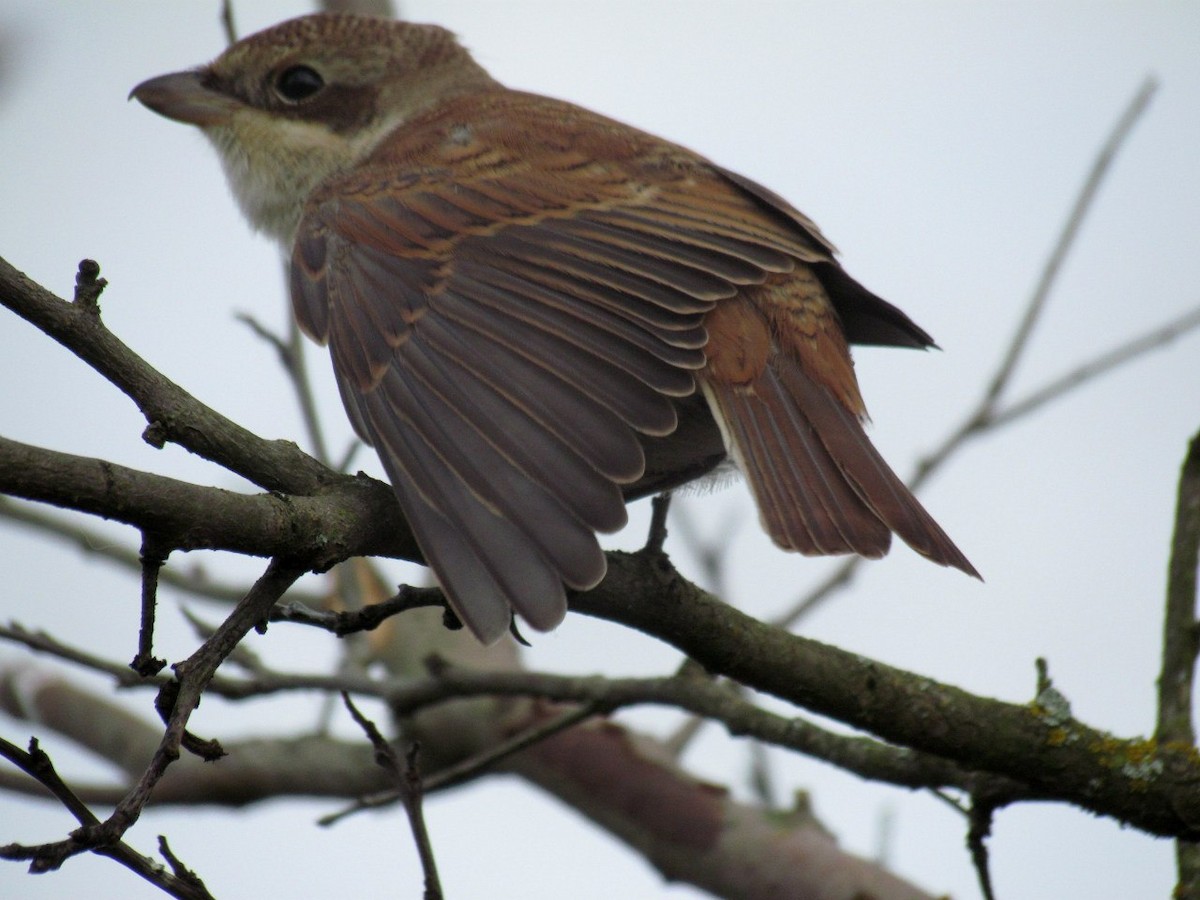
column 291, row 106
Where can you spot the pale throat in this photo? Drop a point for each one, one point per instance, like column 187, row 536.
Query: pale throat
column 274, row 164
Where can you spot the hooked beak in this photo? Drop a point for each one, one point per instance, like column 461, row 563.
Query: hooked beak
column 182, row 96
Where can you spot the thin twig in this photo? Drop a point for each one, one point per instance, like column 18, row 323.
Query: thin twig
column 407, row 779
column 378, row 800
column 37, row 765
column 762, row 779
column 839, row 579
column 291, row 358
column 1099, row 365
column 274, row 465
column 984, row 416
column 47, row 857
column 347, row 458
column 473, row 766
column 657, row 533
column 1066, row 239
column 482, row 762
column 980, row 817
column 353, row 594
column 710, row 552
column 40, row 641
column 227, row 23
column 980, row 418
column 241, row 656
column 681, row 738
column 178, row 699
column 304, row 392
column 416, row 819
column 153, row 558
column 181, row 871
column 343, row 622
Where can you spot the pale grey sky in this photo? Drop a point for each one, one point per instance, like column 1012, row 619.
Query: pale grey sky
column 938, row 144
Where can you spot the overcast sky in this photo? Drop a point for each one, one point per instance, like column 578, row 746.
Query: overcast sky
column 938, row 144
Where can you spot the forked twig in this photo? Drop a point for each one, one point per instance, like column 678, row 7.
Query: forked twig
column 988, row 415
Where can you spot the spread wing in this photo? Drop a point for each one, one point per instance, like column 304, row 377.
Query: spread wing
column 506, row 316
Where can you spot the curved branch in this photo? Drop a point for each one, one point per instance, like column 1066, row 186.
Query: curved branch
column 347, row 516
column 1152, row 786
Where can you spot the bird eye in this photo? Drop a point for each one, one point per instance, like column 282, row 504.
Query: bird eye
column 297, row 83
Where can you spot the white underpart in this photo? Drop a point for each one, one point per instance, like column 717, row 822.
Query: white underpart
column 729, row 468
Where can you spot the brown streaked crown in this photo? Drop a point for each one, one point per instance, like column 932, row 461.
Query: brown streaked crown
column 358, row 57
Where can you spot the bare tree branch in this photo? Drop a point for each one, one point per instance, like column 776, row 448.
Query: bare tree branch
column 1102, row 364
column 182, row 883
column 986, row 415
column 1148, row 785
column 290, row 352
column 408, row 785
column 194, row 581
column 350, row 516
column 1181, row 642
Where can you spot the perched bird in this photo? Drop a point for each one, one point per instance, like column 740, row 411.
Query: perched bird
column 537, row 314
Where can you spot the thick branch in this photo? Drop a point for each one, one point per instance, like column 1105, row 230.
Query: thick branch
column 1155, row 787
column 1180, row 645
column 347, row 516
column 1151, row 787
column 695, row 832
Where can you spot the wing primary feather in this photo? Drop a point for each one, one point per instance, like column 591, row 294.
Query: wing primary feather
column 526, row 243
column 675, row 328
column 484, row 566
column 518, row 440
column 667, row 251
column 494, row 482
column 593, row 431
column 570, row 315
column 515, row 314
column 605, row 384
column 486, row 582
